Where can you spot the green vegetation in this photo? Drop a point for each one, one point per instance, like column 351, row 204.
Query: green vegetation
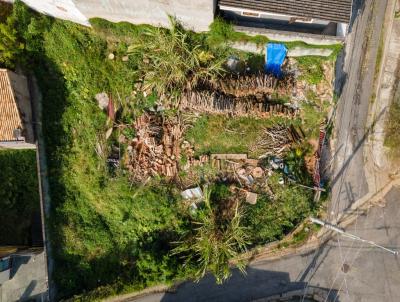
column 222, row 134
column 271, row 219
column 218, row 236
column 392, row 138
column 311, row 68
column 19, row 195
column 111, row 235
column 173, row 58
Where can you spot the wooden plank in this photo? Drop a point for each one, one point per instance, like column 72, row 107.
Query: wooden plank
column 229, row 156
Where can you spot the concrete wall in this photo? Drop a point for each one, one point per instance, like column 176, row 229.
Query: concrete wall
column 194, row 14
column 277, row 35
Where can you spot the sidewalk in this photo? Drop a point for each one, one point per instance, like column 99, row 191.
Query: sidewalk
column 378, row 166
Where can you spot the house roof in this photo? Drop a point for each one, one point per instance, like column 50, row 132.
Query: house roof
column 328, row 10
column 9, row 115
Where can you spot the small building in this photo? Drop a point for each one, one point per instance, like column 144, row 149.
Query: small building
column 323, row 17
column 16, row 130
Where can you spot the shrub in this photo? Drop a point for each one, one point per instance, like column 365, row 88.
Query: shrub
column 169, row 59
column 392, row 137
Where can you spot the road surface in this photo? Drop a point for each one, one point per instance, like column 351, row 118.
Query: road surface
column 355, row 85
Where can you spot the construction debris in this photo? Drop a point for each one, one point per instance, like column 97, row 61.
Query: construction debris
column 194, row 193
column 251, row 197
column 156, row 149
column 102, row 100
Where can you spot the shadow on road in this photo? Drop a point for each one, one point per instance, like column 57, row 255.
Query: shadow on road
column 318, row 258
column 360, row 143
column 27, row 293
column 255, row 285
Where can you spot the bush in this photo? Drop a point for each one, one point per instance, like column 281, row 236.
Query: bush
column 170, row 59
column 217, row 237
column 392, row 137
column 19, row 195
column 271, row 219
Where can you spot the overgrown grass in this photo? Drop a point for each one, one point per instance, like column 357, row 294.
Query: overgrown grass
column 222, row 134
column 311, row 69
column 19, row 195
column 271, row 219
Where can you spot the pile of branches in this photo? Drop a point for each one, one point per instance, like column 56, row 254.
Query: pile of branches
column 156, row 148
column 220, row 103
column 243, row 85
column 276, row 140
column 239, row 95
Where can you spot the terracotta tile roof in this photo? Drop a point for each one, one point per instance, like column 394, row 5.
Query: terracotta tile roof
column 328, row 10
column 9, row 116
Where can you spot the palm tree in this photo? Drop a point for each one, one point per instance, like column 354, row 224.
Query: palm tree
column 170, row 59
column 214, row 242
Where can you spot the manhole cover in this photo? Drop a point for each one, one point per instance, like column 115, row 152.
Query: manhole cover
column 345, row 268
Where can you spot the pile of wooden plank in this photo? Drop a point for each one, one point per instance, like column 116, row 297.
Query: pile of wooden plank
column 156, row 148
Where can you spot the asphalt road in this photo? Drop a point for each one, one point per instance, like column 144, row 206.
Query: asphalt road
column 355, row 85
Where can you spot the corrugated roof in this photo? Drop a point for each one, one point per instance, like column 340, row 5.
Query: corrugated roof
column 328, row 10
column 9, row 115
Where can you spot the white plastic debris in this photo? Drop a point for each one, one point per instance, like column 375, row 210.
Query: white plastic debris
column 194, row 193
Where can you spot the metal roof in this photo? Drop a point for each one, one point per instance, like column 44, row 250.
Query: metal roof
column 328, row 10
column 9, row 115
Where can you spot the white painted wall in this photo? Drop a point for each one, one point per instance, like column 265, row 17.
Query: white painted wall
column 194, row 14
column 63, row 9
column 341, row 29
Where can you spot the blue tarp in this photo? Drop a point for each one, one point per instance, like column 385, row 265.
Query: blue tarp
column 274, row 56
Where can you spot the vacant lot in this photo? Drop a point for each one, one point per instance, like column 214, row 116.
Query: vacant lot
column 110, row 232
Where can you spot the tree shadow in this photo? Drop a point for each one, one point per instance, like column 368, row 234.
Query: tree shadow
column 256, row 284
column 26, row 295
column 357, row 148
column 357, row 8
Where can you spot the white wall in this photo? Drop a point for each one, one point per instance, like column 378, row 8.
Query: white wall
column 194, row 14
column 341, row 29
column 63, row 9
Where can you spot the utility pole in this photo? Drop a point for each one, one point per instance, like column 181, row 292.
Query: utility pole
column 348, row 235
